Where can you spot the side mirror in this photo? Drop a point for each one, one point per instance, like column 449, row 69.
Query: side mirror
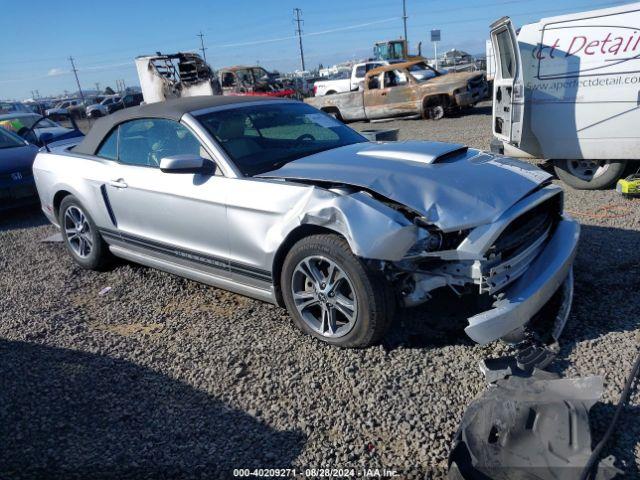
column 182, row 163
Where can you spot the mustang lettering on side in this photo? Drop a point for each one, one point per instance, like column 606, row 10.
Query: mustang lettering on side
column 273, row 199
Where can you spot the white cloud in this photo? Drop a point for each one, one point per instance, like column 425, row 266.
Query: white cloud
column 55, row 72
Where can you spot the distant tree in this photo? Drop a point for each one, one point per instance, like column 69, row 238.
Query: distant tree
column 109, row 91
column 320, row 67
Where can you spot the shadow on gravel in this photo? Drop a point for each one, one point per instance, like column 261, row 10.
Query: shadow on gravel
column 26, row 217
column 478, row 110
column 68, row 414
column 432, row 324
column 607, row 282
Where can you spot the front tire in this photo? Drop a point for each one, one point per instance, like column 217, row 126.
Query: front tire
column 332, row 295
column 81, row 236
column 589, row 174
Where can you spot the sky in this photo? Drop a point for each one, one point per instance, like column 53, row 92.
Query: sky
column 105, row 37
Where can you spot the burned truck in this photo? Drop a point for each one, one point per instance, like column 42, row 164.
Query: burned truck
column 392, row 91
column 253, row 81
column 175, row 75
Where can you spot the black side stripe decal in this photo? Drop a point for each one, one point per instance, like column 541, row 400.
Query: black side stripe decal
column 203, row 259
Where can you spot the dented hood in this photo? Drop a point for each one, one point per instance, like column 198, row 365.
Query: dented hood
column 452, row 186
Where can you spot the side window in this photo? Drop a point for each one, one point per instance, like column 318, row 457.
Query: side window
column 360, row 71
column 147, row 141
column 228, row 79
column 109, row 148
column 374, row 82
column 507, row 57
column 394, row 78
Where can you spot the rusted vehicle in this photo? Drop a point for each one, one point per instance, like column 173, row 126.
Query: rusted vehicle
column 392, row 91
column 256, row 81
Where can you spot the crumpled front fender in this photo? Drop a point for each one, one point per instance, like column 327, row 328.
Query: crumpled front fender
column 372, row 229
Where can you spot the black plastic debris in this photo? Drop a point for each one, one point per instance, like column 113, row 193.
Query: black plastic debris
column 529, row 360
column 529, row 428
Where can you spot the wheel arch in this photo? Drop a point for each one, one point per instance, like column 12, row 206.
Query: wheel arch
column 57, row 200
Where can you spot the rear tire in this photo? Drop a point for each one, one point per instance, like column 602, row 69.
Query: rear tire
column 589, row 174
column 81, row 236
column 323, row 293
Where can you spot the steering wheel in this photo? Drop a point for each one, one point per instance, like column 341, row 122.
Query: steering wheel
column 305, row 137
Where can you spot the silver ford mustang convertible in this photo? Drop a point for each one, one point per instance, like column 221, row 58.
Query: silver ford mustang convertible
column 278, row 201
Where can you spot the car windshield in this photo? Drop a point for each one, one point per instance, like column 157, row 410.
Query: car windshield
column 20, row 121
column 261, row 138
column 424, row 66
column 9, row 140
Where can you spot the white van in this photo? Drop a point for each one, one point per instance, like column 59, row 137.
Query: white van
column 568, row 89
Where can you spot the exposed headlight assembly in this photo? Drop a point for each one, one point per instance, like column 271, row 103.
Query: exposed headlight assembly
column 428, row 242
column 430, row 239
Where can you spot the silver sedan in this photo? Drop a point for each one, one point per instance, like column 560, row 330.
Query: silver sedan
column 278, row 201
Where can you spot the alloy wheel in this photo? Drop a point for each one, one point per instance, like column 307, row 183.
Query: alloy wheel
column 324, row 296
column 78, row 231
column 587, row 169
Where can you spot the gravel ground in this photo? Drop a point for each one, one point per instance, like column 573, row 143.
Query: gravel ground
column 164, row 376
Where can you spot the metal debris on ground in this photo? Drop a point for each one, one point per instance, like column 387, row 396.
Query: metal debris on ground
column 55, row 238
column 104, row 291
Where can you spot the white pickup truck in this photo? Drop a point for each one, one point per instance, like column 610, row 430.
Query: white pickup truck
column 420, row 71
column 350, row 84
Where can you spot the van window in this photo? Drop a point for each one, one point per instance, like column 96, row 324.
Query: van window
column 507, row 57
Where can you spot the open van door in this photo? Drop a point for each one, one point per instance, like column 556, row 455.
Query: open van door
column 508, row 86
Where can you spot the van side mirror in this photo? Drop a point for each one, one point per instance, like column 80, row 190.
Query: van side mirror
column 182, row 163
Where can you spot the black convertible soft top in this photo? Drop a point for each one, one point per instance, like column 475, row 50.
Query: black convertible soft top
column 172, row 109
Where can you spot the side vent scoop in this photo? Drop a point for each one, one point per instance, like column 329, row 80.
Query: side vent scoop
column 414, row 151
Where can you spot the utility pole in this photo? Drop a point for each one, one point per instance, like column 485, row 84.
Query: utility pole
column 298, row 20
column 202, row 47
column 75, row 72
column 97, row 87
column 404, row 20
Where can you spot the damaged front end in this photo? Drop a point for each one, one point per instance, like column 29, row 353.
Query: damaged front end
column 485, row 226
column 517, row 264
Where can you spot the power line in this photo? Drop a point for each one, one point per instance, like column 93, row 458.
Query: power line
column 202, row 47
column 298, row 20
column 75, row 72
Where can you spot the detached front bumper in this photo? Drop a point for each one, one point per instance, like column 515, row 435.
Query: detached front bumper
column 527, row 295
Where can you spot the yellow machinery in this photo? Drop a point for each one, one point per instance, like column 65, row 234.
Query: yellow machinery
column 630, row 185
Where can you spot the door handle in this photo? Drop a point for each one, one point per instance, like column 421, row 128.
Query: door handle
column 119, row 183
column 383, row 93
